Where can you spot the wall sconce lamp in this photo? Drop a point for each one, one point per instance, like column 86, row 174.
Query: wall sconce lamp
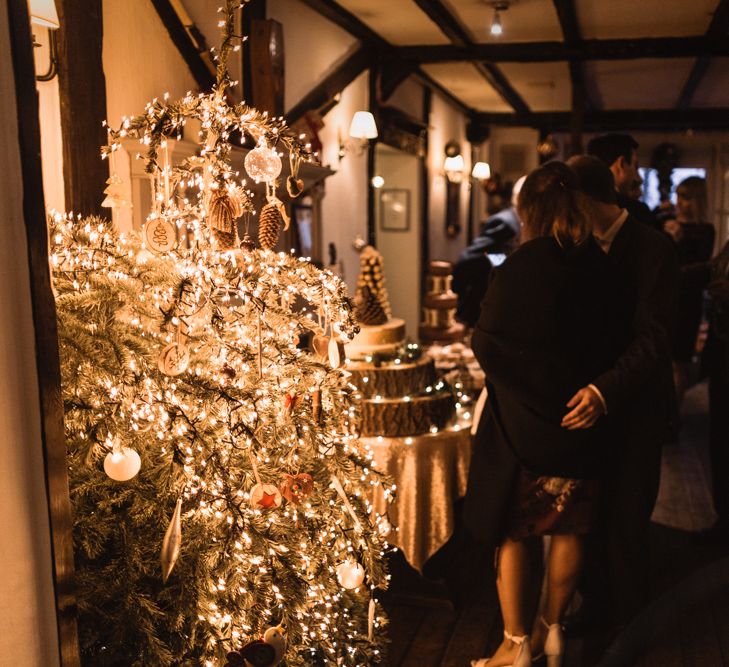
column 43, row 13
column 453, row 165
column 481, row 171
column 361, row 130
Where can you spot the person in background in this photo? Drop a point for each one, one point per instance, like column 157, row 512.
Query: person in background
column 547, row 326
column 620, row 153
column 714, row 276
column 498, row 237
column 638, row 391
column 694, row 239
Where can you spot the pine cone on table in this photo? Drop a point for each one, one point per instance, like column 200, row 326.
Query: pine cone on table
column 369, row 310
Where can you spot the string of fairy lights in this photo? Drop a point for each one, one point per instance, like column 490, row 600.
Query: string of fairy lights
column 259, row 431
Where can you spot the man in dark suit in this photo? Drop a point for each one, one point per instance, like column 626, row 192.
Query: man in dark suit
column 638, row 391
column 498, row 237
column 620, row 153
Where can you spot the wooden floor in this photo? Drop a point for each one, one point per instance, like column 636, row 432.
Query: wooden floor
column 686, row 625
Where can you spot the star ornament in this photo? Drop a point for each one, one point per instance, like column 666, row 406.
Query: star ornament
column 265, row 496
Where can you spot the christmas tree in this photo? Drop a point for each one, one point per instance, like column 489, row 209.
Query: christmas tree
column 233, row 524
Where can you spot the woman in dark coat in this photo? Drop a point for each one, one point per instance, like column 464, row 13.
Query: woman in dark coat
column 546, row 330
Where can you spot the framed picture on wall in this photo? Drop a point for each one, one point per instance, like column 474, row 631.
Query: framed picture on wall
column 395, row 210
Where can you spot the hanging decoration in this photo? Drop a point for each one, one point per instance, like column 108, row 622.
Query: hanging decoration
column 122, row 464
column 350, row 574
column 172, row 542
column 263, row 163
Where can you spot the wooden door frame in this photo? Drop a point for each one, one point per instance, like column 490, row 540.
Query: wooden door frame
column 46, row 336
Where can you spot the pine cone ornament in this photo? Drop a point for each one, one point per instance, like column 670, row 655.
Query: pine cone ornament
column 224, row 208
column 372, row 306
column 269, row 226
column 369, row 310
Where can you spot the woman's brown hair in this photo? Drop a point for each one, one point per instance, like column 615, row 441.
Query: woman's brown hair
column 693, row 189
column 551, row 205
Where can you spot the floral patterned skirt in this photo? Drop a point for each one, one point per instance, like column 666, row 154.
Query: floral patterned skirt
column 552, row 506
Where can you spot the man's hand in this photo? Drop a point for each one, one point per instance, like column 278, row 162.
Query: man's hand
column 587, row 409
column 673, row 229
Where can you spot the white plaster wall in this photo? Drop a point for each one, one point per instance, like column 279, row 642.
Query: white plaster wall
column 344, row 208
column 446, row 123
column 27, row 612
column 140, row 60
column 313, row 46
column 49, row 112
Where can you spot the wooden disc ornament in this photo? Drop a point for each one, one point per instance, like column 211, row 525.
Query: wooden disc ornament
column 160, row 235
column 174, row 359
column 265, row 496
column 123, row 464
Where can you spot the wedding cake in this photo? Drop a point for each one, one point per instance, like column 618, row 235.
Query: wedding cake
column 400, row 393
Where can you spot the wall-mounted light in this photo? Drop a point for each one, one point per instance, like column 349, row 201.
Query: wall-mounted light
column 453, row 165
column 378, row 182
column 43, row 13
column 481, row 171
column 361, row 129
column 496, row 28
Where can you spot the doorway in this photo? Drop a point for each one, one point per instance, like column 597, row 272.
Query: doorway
column 398, row 224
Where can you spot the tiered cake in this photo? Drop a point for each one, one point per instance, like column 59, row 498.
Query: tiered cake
column 439, row 307
column 401, row 395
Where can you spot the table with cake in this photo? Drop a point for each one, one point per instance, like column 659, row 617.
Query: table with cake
column 413, row 421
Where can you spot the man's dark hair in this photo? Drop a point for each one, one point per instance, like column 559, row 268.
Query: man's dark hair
column 594, row 178
column 609, row 147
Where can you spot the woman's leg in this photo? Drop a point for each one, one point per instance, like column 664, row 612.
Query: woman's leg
column 512, row 583
column 563, row 574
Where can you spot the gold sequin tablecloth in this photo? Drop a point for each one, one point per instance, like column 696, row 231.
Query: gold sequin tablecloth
column 431, row 472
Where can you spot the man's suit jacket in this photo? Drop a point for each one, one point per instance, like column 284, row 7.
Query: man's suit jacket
column 640, row 385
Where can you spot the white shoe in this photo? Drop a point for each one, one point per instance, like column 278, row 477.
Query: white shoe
column 523, row 658
column 553, row 644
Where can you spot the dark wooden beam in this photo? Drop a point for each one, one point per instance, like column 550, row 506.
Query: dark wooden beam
column 391, row 75
column 82, row 92
column 431, row 84
column 567, row 15
column 588, row 49
column 717, row 30
column 332, row 85
column 459, row 35
column 53, row 439
column 199, row 68
column 624, row 119
column 347, row 21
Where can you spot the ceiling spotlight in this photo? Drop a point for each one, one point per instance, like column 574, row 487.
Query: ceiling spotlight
column 497, row 29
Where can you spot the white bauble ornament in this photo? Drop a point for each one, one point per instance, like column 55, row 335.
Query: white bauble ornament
column 350, row 574
column 265, row 497
column 262, row 163
column 122, row 465
column 159, row 235
column 174, row 359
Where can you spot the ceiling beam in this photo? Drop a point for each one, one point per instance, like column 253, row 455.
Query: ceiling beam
column 588, row 49
column 567, row 15
column 452, row 28
column 431, row 83
column 372, row 41
column 201, row 70
column 623, row 119
column 347, row 21
column 332, row 85
column 717, row 30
